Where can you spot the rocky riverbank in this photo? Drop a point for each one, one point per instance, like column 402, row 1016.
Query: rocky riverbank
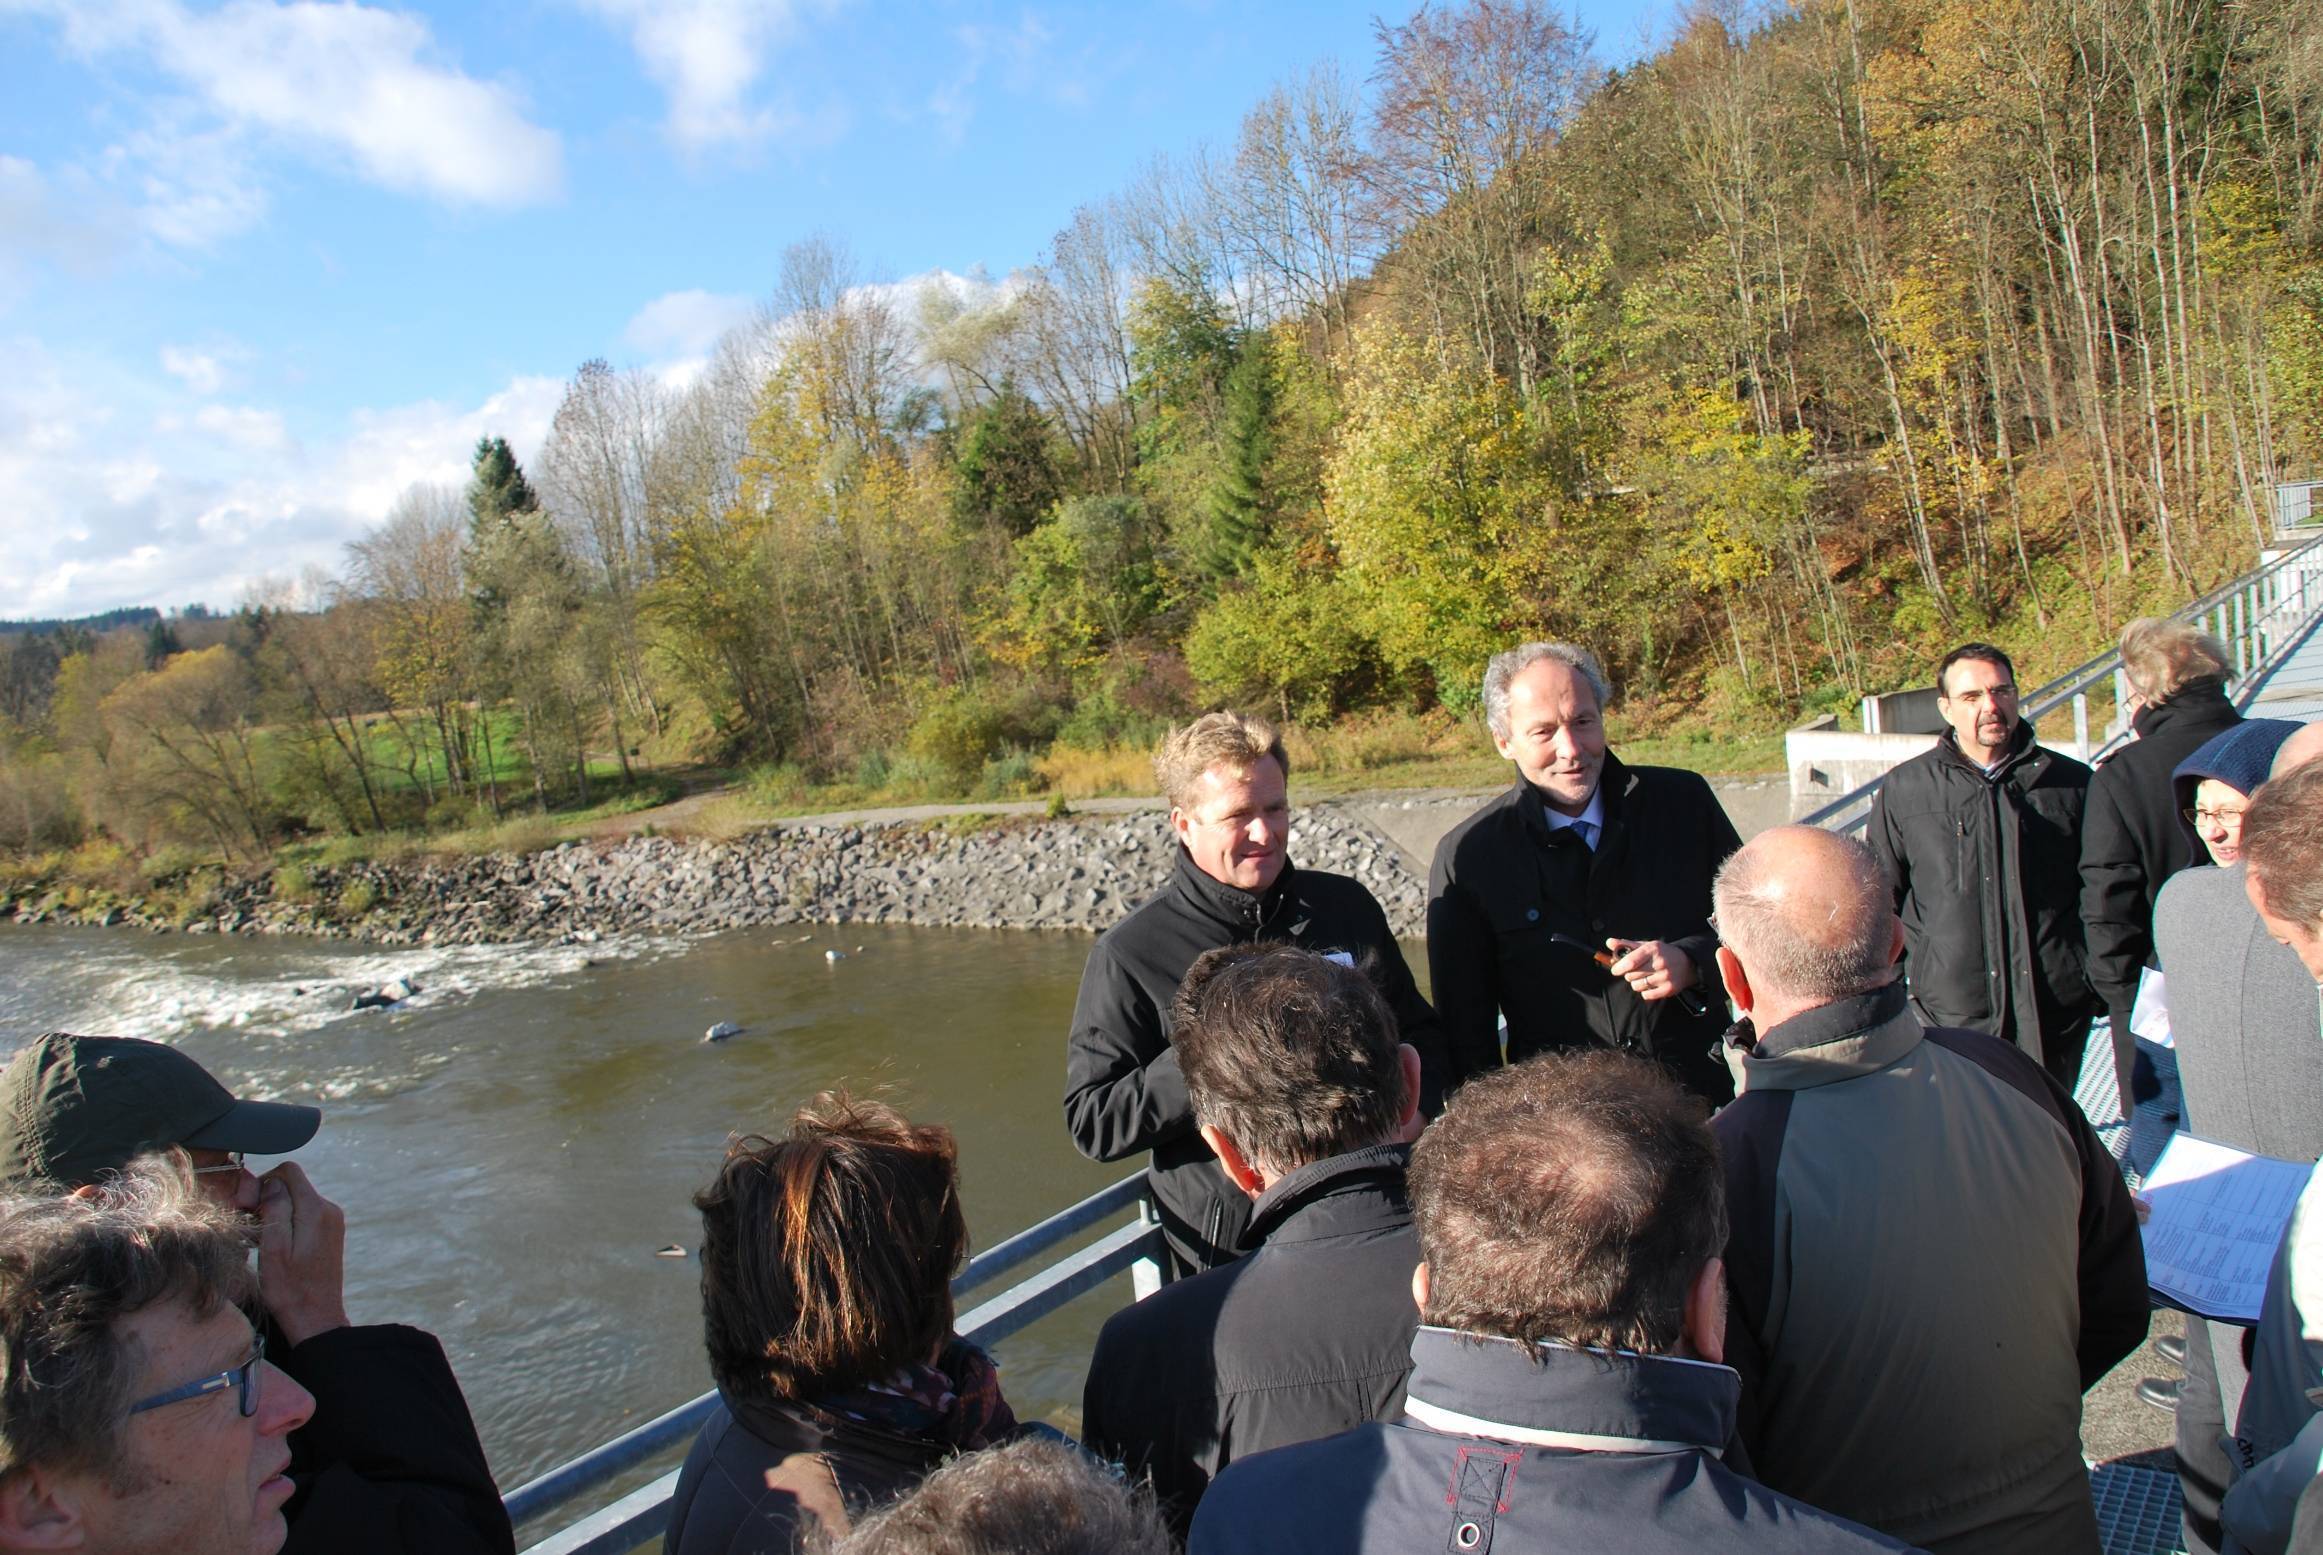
column 1079, row 873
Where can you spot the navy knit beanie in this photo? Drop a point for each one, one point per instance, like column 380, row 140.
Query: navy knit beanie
column 2238, row 757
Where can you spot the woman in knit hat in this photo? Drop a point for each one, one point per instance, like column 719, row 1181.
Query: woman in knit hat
column 2214, row 784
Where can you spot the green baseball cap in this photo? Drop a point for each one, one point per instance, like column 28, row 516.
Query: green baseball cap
column 73, row 1108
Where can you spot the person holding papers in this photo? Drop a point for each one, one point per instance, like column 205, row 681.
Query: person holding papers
column 2277, row 1441
column 2242, row 1021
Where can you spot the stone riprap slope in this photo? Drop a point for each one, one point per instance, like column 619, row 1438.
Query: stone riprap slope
column 1082, row 873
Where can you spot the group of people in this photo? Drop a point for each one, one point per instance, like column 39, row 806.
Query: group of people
column 1728, row 1196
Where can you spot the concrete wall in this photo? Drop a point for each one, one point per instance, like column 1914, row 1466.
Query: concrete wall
column 1826, row 763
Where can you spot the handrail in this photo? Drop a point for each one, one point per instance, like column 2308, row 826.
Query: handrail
column 638, row 1515
column 2245, row 615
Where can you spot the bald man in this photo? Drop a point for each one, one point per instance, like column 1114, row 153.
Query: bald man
column 1931, row 1255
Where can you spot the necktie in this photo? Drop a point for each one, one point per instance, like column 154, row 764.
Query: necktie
column 1587, row 832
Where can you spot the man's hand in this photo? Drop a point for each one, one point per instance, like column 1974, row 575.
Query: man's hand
column 1652, row 968
column 302, row 1244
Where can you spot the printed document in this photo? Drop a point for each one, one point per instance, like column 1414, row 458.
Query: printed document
column 2218, row 1214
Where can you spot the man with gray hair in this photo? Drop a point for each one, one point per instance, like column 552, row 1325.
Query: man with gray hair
column 1576, row 906
column 138, row 1411
column 1931, row 1256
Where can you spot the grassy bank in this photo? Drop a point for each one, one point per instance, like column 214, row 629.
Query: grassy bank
column 1390, row 753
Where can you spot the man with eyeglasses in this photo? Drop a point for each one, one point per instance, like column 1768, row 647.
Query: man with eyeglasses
column 391, row 1463
column 137, row 1410
column 1981, row 839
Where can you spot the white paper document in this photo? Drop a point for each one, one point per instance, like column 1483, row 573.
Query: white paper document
column 2149, row 1017
column 2217, row 1216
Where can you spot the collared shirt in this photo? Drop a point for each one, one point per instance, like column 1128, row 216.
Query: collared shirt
column 1589, row 824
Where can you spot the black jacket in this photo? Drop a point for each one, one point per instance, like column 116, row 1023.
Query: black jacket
column 762, row 1474
column 390, row 1464
column 1309, row 1334
column 1987, row 874
column 1511, row 1448
column 1503, row 882
column 1123, row 1089
column 1930, row 1257
column 2133, row 839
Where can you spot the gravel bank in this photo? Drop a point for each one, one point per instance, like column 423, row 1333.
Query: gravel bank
column 1078, row 873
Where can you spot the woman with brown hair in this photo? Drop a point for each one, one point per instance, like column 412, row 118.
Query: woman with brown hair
column 827, row 1260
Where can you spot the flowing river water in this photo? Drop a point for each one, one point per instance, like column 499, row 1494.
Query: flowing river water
column 514, row 1144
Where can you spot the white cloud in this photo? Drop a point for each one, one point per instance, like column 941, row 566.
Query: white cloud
column 346, row 83
column 201, row 371
column 1021, row 56
column 707, row 57
column 245, row 426
column 113, row 492
column 194, row 183
column 685, row 324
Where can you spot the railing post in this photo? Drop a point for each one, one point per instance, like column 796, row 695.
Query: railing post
column 2242, row 659
column 1145, row 1275
column 2081, row 726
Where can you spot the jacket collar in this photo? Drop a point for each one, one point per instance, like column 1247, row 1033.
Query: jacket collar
column 2019, row 750
column 1551, row 1395
column 1340, row 1195
column 1614, row 784
column 2199, row 701
column 1857, row 1035
column 793, row 1426
column 1242, row 911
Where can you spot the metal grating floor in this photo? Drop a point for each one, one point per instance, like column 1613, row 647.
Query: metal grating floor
column 2138, row 1511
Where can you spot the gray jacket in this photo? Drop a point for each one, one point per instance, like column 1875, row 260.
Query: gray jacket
column 2243, row 1014
column 1931, row 1256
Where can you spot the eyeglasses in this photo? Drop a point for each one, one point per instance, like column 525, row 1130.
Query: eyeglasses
column 233, row 1162
column 2198, row 816
column 244, row 1376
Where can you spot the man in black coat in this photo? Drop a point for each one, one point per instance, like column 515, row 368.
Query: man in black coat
column 1981, row 838
column 1309, row 1102
column 1226, row 778
column 390, row 1464
column 2132, row 837
column 1576, row 906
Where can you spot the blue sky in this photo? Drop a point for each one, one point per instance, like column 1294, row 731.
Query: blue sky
column 264, row 265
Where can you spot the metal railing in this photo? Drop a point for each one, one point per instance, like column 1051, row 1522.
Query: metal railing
column 635, row 1518
column 2262, row 617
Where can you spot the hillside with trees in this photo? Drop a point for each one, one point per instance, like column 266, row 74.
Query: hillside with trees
column 1768, row 366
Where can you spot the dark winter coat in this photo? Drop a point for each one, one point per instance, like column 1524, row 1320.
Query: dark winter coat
column 2133, row 839
column 1521, row 1449
column 1504, row 882
column 1124, row 1091
column 1307, row 1335
column 1987, row 873
column 1931, row 1257
column 390, row 1464
column 763, row 1473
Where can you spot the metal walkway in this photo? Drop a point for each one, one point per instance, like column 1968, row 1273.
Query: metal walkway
column 2293, row 689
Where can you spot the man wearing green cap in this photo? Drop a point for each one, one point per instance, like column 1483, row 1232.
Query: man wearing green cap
column 391, row 1463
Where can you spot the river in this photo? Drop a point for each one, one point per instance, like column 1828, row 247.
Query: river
column 514, row 1144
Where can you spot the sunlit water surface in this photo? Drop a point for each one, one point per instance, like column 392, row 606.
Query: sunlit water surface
column 514, row 1144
